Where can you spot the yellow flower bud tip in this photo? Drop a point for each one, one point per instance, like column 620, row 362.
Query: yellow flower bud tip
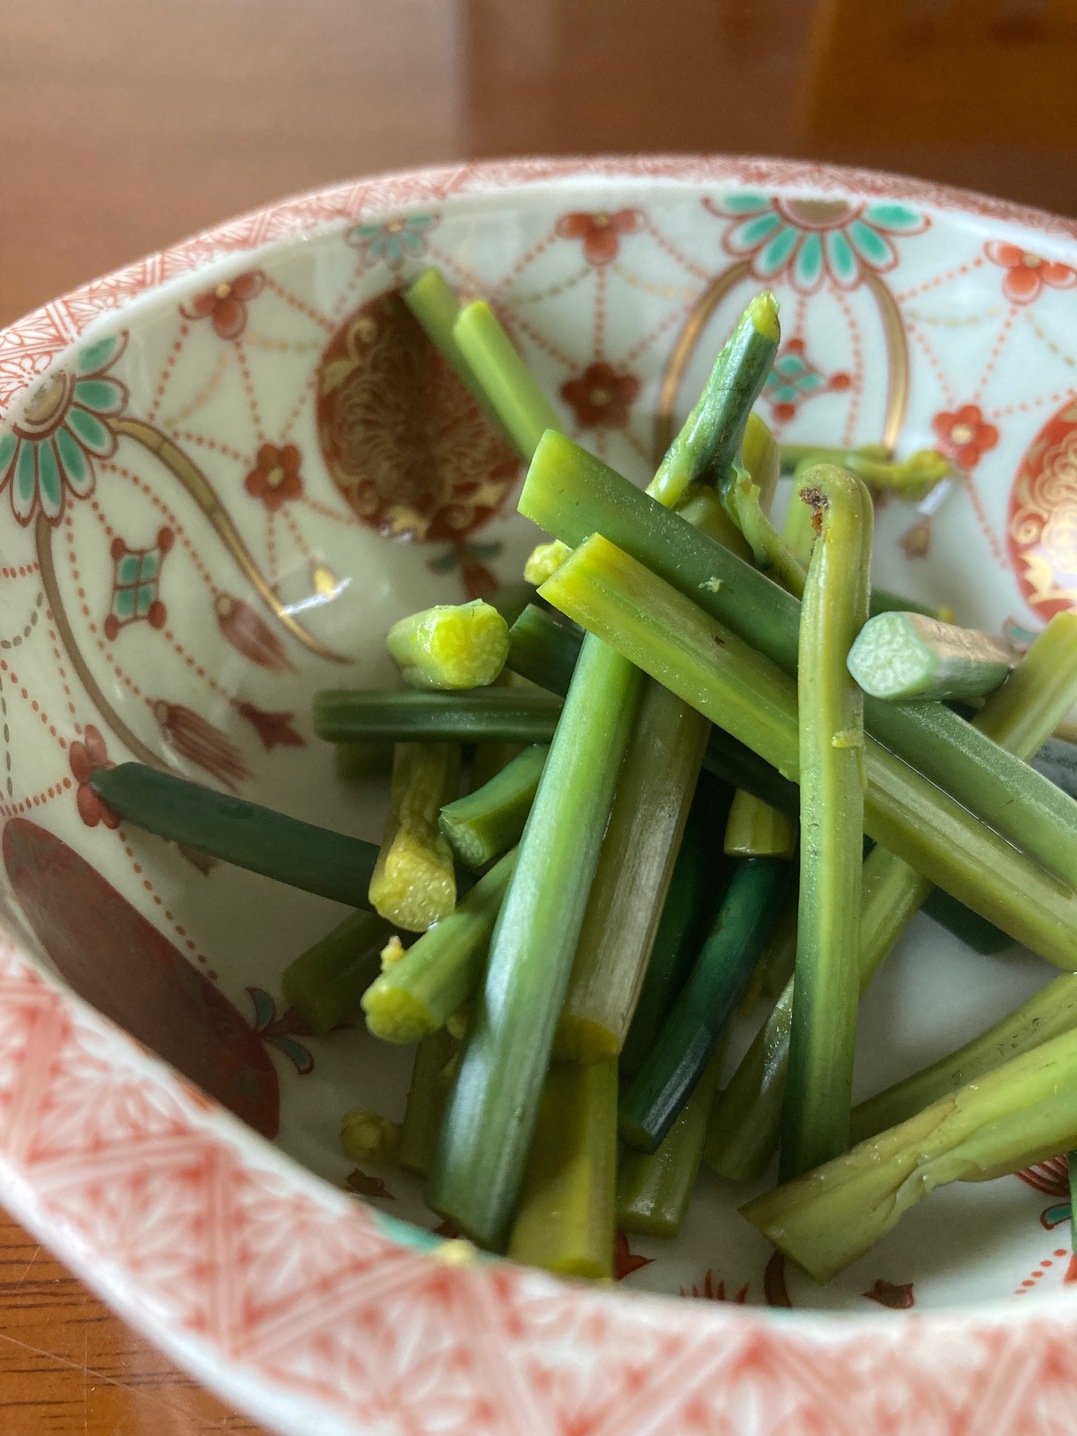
column 763, row 311
column 392, row 952
column 458, row 1251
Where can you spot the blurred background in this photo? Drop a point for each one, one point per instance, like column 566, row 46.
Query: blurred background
column 127, row 124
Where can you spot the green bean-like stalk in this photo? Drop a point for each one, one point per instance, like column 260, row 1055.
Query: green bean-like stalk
column 564, row 1219
column 481, row 715
column 633, row 610
column 509, row 386
column 875, row 465
column 325, row 984
column 487, row 822
column 744, row 1127
column 654, row 792
column 906, row 656
column 815, row 1117
column 416, row 995
column 1021, row 1113
column 413, row 884
column 492, row 1108
column 315, row 859
column 654, row 1189
column 1048, row 1013
column 756, row 828
column 426, row 1102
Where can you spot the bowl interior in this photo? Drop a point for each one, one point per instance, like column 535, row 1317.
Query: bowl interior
column 216, row 503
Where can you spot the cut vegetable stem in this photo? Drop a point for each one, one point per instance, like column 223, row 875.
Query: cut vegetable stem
column 564, row 1221
column 259, row 839
column 815, row 1115
column 325, row 984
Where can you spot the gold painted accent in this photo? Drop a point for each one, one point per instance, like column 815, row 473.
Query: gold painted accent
column 43, row 537
column 223, row 291
column 818, row 213
column 897, row 358
column 47, row 401
column 201, row 490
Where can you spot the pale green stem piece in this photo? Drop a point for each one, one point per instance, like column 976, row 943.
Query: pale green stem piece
column 907, row 657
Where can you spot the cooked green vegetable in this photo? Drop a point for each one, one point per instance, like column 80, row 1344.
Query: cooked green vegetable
column 490, row 820
column 905, row 656
column 418, row 994
column 502, row 376
column 770, row 552
column 492, row 1108
column 484, row 715
column 250, row 836
column 681, row 929
column 1050, row 1012
column 426, row 1102
column 709, row 443
column 706, row 664
column 1023, row 1112
column 450, row 646
column 874, row 464
column 414, row 883
column 574, row 495
column 437, row 308
column 326, row 983
column 543, row 649
column 744, row 1128
column 815, row 1114
column 564, row 1218
column 654, row 792
column 654, row 1189
column 756, row 830
column 704, row 1006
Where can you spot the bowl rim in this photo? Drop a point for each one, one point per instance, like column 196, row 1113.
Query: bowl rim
column 60, row 1028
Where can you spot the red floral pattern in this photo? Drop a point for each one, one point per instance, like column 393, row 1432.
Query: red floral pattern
column 601, row 233
column 275, row 478
column 225, row 305
column 83, row 757
column 964, row 435
column 1027, row 273
column 600, row 397
column 898, row 1296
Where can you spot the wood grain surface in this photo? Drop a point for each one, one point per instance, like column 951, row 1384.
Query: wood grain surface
column 125, row 124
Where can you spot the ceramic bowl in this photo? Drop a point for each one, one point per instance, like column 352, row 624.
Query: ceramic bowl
column 223, row 472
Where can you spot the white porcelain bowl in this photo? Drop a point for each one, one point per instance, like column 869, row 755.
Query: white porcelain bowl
column 200, row 460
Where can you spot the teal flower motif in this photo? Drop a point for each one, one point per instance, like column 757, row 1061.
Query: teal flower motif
column 808, row 240
column 393, row 241
column 50, row 451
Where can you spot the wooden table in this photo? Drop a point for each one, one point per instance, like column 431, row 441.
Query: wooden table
column 125, row 124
